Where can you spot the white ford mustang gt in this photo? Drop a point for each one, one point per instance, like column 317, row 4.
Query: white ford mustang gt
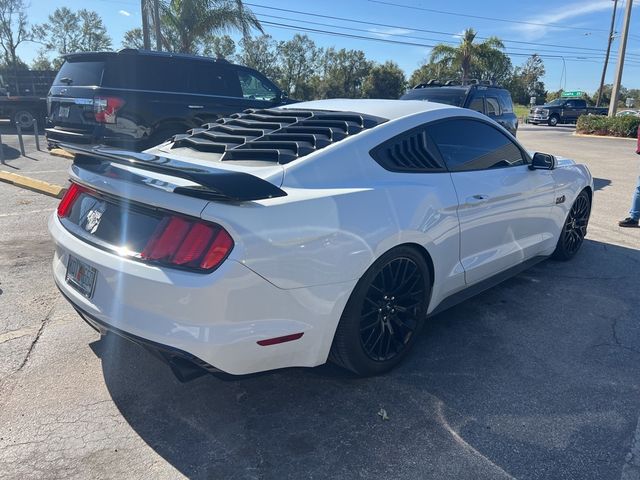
column 321, row 230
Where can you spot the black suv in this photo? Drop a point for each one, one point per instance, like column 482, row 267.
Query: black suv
column 491, row 100
column 136, row 99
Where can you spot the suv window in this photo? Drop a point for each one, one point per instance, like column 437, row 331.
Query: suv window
column 212, row 79
column 493, row 108
column 477, row 105
column 506, row 104
column 80, row 74
column 255, row 88
column 146, row 73
column 467, row 144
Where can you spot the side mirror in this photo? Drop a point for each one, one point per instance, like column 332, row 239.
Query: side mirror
column 283, row 98
column 543, row 161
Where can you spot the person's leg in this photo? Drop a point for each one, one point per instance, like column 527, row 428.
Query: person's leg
column 634, row 212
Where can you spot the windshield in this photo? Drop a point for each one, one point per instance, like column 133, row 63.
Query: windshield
column 450, row 96
column 556, row 102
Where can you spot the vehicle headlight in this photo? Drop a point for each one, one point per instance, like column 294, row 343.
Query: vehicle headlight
column 545, row 111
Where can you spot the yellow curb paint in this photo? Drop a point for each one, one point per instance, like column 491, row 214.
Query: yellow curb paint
column 58, row 152
column 32, row 184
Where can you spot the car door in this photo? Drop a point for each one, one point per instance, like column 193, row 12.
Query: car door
column 499, row 198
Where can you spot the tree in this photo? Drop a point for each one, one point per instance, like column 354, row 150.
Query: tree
column 133, row 39
column 344, row 73
column 93, row 33
column 220, row 47
column 14, row 30
column 432, row 71
column 297, row 58
column 186, row 24
column 68, row 31
column 527, row 82
column 465, row 56
column 384, row 81
column 261, row 54
column 41, row 62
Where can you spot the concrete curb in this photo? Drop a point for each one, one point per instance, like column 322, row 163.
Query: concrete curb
column 58, row 152
column 603, row 136
column 32, row 184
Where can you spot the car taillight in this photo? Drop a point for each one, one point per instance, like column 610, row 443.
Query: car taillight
column 182, row 242
column 69, row 198
column 105, row 109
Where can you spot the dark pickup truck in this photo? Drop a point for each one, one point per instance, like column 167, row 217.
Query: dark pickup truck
column 23, row 96
column 562, row 110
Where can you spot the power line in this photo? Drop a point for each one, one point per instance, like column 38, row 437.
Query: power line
column 400, row 35
column 590, row 59
column 386, row 25
column 494, row 19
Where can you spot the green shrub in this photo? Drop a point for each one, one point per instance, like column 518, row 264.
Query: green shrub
column 614, row 126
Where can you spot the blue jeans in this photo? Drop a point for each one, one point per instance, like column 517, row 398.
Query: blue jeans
column 635, row 203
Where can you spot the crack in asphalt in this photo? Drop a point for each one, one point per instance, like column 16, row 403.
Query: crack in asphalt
column 34, row 341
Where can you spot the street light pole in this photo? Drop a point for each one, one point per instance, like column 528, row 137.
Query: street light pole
column 615, row 93
column 606, row 57
column 146, row 41
column 156, row 22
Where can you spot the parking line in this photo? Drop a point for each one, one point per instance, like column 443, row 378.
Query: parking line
column 32, row 184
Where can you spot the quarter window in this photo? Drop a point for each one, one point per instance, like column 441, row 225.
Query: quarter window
column 466, row 144
column 477, row 104
column 493, row 108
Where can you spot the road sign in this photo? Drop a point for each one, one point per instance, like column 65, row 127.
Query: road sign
column 575, row 93
column 629, row 102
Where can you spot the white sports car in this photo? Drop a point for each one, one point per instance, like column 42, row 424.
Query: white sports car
column 321, row 230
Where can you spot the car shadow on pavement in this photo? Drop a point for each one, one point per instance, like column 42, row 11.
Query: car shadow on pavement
column 538, row 378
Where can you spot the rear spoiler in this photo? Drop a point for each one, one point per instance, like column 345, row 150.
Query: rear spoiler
column 213, row 183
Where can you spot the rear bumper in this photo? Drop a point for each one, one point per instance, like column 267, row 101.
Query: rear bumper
column 214, row 319
column 56, row 136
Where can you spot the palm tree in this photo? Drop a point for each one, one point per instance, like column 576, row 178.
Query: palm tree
column 466, row 55
column 184, row 24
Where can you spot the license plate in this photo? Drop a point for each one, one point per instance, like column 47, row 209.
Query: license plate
column 63, row 112
column 81, row 276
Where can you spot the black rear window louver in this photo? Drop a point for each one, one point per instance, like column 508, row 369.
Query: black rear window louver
column 274, row 135
column 409, row 152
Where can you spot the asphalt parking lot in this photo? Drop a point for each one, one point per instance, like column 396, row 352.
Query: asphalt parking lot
column 538, row 378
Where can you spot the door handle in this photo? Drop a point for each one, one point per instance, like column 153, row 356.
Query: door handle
column 196, row 107
column 477, row 198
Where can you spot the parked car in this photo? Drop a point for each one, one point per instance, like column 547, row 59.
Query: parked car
column 491, row 100
column 628, row 113
column 23, row 96
column 563, row 110
column 327, row 229
column 136, row 99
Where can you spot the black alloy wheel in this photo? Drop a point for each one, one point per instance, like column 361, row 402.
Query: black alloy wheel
column 392, row 309
column 384, row 314
column 575, row 228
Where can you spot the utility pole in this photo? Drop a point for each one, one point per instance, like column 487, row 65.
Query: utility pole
column 615, row 93
column 145, row 24
column 606, row 58
column 156, row 21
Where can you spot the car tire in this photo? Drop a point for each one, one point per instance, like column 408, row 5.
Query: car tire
column 24, row 119
column 553, row 120
column 386, row 311
column 574, row 228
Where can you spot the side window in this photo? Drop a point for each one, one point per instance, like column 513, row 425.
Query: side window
column 570, row 104
column 145, row 73
column 409, row 152
column 255, row 88
column 493, row 108
column 211, row 79
column 477, row 104
column 467, row 144
column 506, row 104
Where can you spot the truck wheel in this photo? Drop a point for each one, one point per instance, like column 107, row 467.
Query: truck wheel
column 553, row 120
column 24, row 119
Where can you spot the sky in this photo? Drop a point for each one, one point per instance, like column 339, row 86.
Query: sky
column 571, row 36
